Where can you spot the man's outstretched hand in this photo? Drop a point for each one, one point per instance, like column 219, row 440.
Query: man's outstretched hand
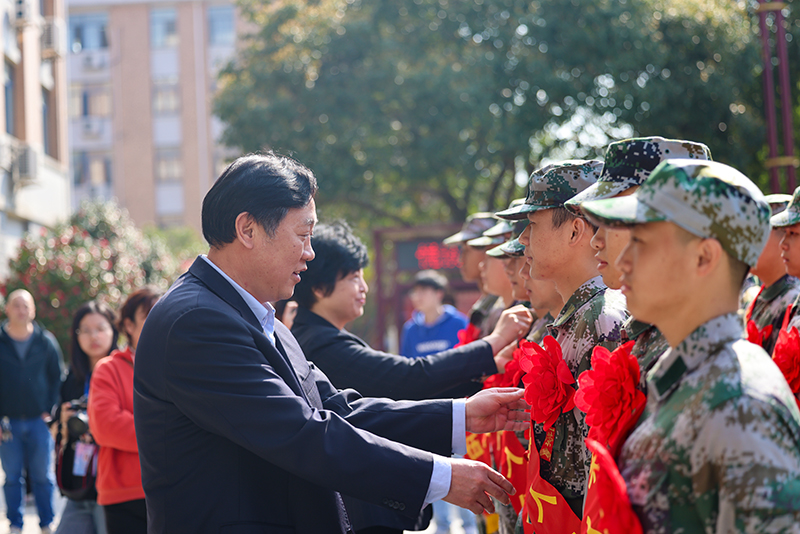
column 495, row 409
column 471, row 484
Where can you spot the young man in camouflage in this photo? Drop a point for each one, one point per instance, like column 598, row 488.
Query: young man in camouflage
column 778, row 288
column 719, row 447
column 627, row 165
column 557, row 248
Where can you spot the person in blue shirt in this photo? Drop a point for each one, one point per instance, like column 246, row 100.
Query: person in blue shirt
column 433, row 326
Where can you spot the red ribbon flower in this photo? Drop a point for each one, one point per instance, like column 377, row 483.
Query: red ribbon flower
column 468, row 335
column 609, row 395
column 787, row 357
column 754, row 335
column 548, row 381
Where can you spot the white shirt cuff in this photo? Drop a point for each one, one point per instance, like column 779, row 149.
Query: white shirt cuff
column 459, row 427
column 442, row 472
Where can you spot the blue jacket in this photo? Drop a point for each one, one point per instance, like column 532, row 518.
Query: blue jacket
column 29, row 387
column 420, row 339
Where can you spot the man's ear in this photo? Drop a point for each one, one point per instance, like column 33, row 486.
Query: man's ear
column 245, row 226
column 319, row 293
column 709, row 254
column 579, row 228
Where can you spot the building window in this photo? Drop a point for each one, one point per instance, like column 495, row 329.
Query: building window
column 47, row 130
column 8, row 91
column 88, row 32
column 89, row 101
column 221, row 28
column 91, row 168
column 163, row 28
column 166, row 97
column 169, row 167
column 10, row 46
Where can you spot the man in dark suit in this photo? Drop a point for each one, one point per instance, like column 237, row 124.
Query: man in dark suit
column 238, row 433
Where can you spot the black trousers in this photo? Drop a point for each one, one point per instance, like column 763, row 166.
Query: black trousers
column 128, row 517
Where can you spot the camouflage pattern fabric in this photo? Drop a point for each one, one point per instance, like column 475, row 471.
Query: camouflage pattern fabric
column 719, row 448
column 480, row 310
column 552, row 185
column 648, row 345
column 770, row 307
column 539, row 328
column 592, row 316
column 706, row 198
column 789, row 216
column 629, row 162
column 474, row 226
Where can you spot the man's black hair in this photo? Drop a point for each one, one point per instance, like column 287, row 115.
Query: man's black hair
column 430, row 278
column 337, row 254
column 266, row 186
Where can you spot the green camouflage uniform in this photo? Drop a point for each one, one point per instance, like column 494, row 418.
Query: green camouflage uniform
column 719, row 450
column 789, row 217
column 648, row 346
column 771, row 304
column 592, row 316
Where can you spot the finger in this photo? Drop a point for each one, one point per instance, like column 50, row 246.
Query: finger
column 486, row 502
column 500, row 488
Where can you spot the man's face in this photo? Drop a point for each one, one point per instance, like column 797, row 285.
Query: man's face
column 608, row 244
column 20, row 309
column 471, row 257
column 790, row 249
column 346, row 302
column 541, row 294
column 512, row 267
column 281, row 258
column 771, row 255
column 656, row 267
column 425, row 298
column 493, row 277
column 545, row 246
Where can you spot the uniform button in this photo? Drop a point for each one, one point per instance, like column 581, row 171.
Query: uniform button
column 402, row 506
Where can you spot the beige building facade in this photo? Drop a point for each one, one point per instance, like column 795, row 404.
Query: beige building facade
column 34, row 154
column 141, row 79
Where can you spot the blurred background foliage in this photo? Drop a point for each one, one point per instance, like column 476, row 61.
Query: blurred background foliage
column 418, row 111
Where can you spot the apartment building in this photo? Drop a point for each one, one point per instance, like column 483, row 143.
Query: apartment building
column 141, row 78
column 34, row 177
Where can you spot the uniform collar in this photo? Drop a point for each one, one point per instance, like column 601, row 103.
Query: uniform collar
column 633, row 328
column 707, row 340
column 579, row 298
column 778, row 288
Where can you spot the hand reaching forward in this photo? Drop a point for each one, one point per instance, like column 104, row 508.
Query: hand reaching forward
column 495, row 409
column 471, row 483
column 512, row 325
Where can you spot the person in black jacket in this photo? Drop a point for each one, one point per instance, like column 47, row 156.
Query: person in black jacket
column 331, row 293
column 30, row 375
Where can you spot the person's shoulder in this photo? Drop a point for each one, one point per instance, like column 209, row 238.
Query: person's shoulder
column 454, row 315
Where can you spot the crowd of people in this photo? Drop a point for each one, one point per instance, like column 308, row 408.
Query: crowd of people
column 72, row 430
column 632, row 365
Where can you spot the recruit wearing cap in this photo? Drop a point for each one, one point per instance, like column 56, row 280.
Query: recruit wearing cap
column 780, row 204
column 552, row 185
column 475, row 225
column 511, row 248
column 629, row 162
column 498, row 233
column 706, row 198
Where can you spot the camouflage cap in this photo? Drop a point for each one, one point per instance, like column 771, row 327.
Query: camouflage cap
column 778, row 202
column 791, row 215
column 475, row 225
column 629, row 162
column 489, row 240
column 706, row 198
column 552, row 185
column 512, row 247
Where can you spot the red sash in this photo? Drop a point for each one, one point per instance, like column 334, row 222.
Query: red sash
column 514, row 466
column 545, row 510
column 608, row 509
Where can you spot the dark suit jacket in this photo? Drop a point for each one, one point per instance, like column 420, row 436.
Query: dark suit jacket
column 350, row 363
column 238, row 437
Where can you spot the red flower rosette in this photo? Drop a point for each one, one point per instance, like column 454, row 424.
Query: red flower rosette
column 468, row 335
column 754, row 335
column 548, row 381
column 609, row 395
column 787, row 357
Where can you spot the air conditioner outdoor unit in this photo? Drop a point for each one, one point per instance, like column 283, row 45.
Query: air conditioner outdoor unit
column 25, row 166
column 54, row 42
column 24, row 13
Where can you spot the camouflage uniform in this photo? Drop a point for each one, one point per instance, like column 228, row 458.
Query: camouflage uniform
column 592, row 316
column 719, row 447
column 771, row 304
column 648, row 346
column 789, row 217
column 719, row 450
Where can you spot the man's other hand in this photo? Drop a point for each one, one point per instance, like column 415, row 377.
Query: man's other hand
column 495, row 409
column 471, row 484
column 512, row 325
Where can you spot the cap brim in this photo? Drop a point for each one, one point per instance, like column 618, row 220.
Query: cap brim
column 499, row 229
column 621, row 211
column 521, row 212
column 785, row 218
column 596, row 191
column 455, row 239
column 485, row 241
column 496, row 252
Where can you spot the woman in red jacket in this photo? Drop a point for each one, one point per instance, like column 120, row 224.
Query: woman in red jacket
column 119, row 477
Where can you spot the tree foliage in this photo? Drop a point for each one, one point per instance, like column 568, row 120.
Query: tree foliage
column 412, row 111
column 97, row 254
